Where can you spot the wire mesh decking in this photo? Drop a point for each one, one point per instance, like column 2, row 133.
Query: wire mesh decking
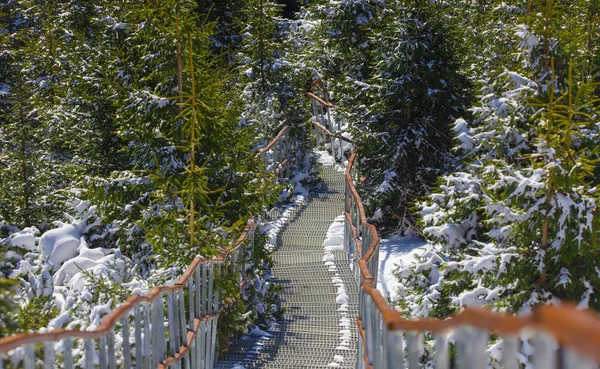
column 309, row 335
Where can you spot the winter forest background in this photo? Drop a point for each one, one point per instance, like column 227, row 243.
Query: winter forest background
column 128, row 134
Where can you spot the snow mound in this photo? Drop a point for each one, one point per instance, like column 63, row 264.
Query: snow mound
column 24, row 241
column 325, row 158
column 257, row 332
column 60, row 244
column 334, row 240
column 395, row 252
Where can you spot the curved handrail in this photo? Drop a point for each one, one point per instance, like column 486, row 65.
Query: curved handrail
column 109, row 321
column 577, row 329
column 319, row 100
column 281, row 166
column 328, row 133
column 274, row 141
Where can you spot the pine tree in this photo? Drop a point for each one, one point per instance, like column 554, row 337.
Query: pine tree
column 45, row 77
column 193, row 172
column 228, row 16
column 516, row 225
column 26, row 176
column 415, row 91
column 260, row 47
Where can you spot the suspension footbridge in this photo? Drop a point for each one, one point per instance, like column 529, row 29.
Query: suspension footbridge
column 178, row 325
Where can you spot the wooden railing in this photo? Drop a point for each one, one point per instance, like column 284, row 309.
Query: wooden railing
column 323, row 126
column 561, row 336
column 137, row 334
column 279, row 153
column 148, row 339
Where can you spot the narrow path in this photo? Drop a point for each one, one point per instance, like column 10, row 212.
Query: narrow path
column 314, row 333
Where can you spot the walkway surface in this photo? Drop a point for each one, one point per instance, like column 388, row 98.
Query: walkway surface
column 314, row 332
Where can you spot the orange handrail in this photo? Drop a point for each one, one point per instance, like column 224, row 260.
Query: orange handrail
column 319, row 100
column 109, row 321
column 273, row 141
column 328, row 133
column 571, row 327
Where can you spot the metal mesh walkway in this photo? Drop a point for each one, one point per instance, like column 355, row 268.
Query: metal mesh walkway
column 310, row 334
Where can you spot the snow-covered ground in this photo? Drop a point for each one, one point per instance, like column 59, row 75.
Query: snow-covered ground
column 61, row 264
column 394, row 252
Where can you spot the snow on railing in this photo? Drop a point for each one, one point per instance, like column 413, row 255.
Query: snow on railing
column 137, row 334
column 551, row 337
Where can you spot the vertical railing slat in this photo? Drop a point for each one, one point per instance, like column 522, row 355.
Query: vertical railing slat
column 67, row 353
column 191, row 298
column 572, row 360
column 210, row 288
column 198, row 361
column 193, row 353
column 126, row 343
column 441, row 359
column 154, row 332
column 182, row 318
column 385, row 364
column 198, row 292
column 376, row 336
column 510, row 347
column 48, row 355
column 139, row 344
column 173, row 336
column 202, row 348
column 213, row 343
column 479, row 343
column 204, row 290
column 544, row 351
column 147, row 350
column 29, row 358
column 112, row 359
column 395, row 352
column 208, row 345
column 102, row 353
column 367, row 319
column 217, row 294
column 412, row 346
column 162, row 355
column 461, row 337
column 158, row 328
column 89, row 354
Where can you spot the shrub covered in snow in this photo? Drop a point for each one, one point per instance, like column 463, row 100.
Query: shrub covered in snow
column 516, row 224
column 114, row 183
